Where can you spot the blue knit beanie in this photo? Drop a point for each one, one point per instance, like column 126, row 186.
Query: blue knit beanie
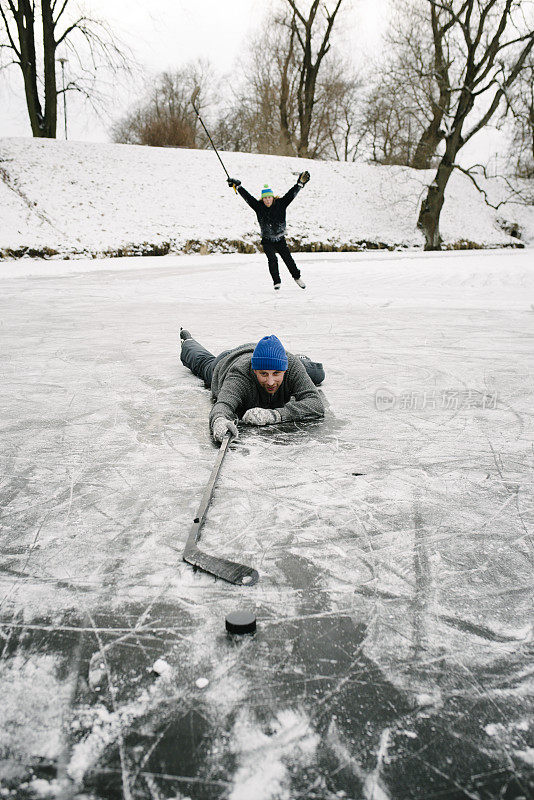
column 266, row 192
column 269, row 353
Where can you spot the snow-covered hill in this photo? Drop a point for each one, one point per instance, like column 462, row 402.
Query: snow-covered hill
column 67, row 198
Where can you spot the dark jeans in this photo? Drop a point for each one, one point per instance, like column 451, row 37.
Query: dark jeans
column 271, row 248
column 202, row 363
column 199, row 360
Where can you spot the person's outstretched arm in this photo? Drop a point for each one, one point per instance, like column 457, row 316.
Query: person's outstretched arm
column 289, row 196
column 231, row 398
column 306, row 402
column 253, row 203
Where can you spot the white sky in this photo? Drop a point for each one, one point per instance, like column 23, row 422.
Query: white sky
column 168, row 34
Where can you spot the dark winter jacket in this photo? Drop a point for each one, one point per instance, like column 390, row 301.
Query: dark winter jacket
column 273, row 219
column 235, row 389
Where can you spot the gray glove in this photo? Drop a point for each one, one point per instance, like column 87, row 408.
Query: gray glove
column 220, row 426
column 261, row 416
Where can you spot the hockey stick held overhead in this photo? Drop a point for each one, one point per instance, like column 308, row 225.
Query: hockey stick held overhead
column 222, row 568
column 194, row 97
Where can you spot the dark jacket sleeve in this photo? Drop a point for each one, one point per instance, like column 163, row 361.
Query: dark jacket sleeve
column 253, row 203
column 306, row 402
column 290, row 196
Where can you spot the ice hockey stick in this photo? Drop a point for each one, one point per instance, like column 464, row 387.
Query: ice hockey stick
column 222, row 568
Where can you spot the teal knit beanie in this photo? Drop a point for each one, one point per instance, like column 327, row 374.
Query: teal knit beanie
column 269, row 353
column 266, row 192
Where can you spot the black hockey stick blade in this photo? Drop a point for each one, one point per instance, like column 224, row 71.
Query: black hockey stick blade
column 229, row 571
column 222, row 568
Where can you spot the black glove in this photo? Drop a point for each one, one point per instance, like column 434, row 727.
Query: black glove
column 233, row 183
column 304, row 177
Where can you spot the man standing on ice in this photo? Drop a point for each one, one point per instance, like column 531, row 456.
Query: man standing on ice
column 271, row 213
column 261, row 385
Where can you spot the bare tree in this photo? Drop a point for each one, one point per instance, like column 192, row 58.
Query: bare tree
column 166, row 117
column 389, row 124
column 521, row 106
column 265, row 96
column 491, row 44
column 310, row 31
column 338, row 106
column 265, row 115
column 410, row 93
column 32, row 31
column 436, row 90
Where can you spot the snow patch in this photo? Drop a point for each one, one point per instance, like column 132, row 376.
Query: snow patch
column 32, row 707
column 111, row 199
column 526, row 755
column 264, row 757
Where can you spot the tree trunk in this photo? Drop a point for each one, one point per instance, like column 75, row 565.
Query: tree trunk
column 431, row 206
column 428, row 144
column 305, row 102
column 287, row 140
column 309, row 69
column 429, row 214
column 432, row 135
column 49, row 55
column 25, row 20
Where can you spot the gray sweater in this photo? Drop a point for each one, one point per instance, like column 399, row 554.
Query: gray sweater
column 235, row 389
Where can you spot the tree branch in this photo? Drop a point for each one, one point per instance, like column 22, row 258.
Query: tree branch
column 63, row 7
column 482, row 168
column 12, row 44
column 500, row 93
column 77, row 24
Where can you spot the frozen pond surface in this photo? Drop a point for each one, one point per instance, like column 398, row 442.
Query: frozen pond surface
column 393, row 655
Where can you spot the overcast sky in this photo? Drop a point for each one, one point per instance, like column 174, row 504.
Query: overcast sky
column 167, row 34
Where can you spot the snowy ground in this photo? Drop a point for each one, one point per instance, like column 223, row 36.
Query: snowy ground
column 75, row 197
column 393, row 656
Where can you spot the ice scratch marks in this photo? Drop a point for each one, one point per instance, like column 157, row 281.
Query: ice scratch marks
column 71, row 685
column 492, row 633
column 97, row 666
column 514, row 488
column 485, row 632
column 373, row 786
column 501, row 714
column 114, row 702
column 463, row 791
column 13, row 484
column 423, row 578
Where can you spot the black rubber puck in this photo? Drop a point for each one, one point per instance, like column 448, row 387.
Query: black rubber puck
column 241, row 622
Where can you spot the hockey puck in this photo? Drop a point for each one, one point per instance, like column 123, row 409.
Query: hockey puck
column 241, row 622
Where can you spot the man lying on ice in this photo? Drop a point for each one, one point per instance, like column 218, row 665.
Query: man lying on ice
column 261, row 385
